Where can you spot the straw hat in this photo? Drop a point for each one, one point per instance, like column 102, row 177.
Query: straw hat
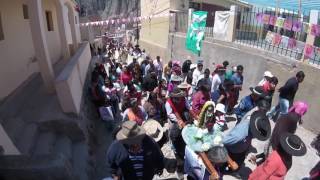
column 221, row 108
column 130, row 133
column 268, row 74
column 184, row 85
column 153, row 129
column 177, row 93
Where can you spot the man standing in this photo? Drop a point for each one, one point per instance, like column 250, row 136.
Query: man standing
column 134, row 153
column 237, row 79
column 196, row 74
column 217, row 79
column 158, row 66
column 205, row 79
column 287, row 94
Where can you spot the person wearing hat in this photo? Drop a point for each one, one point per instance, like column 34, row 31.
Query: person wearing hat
column 175, row 80
column 248, row 102
column 238, row 140
column 217, row 80
column 135, row 112
column 220, row 112
column 267, row 75
column 178, row 113
column 134, row 154
column 287, row 124
column 196, row 73
column 279, row 161
column 200, row 98
column 153, row 129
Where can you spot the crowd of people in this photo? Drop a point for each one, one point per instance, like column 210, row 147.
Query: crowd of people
column 187, row 106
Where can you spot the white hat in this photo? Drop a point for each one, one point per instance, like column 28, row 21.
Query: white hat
column 193, row 66
column 221, row 108
column 153, row 129
column 268, row 74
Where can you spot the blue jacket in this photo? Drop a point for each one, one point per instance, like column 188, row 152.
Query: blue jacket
column 245, row 105
column 118, row 159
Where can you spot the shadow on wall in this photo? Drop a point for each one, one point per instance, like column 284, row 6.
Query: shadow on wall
column 255, row 62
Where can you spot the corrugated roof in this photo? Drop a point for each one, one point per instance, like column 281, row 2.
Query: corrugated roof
column 306, row 5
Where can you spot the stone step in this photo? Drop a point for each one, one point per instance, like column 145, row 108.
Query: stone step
column 63, row 145
column 45, row 143
column 28, row 137
column 80, row 160
column 14, row 127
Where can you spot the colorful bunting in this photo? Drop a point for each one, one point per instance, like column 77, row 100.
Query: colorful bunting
column 288, row 24
column 273, row 20
column 309, row 51
column 280, row 22
column 276, row 39
column 296, row 26
column 265, row 18
column 315, row 30
column 292, row 43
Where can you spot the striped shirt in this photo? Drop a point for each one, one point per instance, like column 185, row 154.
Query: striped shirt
column 137, row 163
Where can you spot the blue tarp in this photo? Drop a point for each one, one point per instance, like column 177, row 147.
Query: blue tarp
column 306, row 5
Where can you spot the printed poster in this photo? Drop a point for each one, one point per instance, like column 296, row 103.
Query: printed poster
column 305, row 27
column 276, row 39
column 309, row 51
column 265, row 18
column 284, row 42
column 292, row 43
column 269, row 37
column 273, row 20
column 315, row 30
column 288, row 24
column 296, row 26
column 259, row 17
column 280, row 22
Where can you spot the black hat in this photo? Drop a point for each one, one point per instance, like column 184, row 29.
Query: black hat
column 260, row 126
column 258, row 90
column 292, row 144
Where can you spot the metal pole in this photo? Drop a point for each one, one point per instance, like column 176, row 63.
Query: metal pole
column 299, row 13
column 137, row 4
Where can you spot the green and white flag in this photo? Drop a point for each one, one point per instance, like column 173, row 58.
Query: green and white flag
column 196, row 31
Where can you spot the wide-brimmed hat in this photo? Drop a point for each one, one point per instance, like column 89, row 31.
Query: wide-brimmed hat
column 268, row 74
column 177, row 93
column 260, row 126
column 221, row 108
column 153, row 129
column 184, row 85
column 130, row 133
column 218, row 154
column 176, row 78
column 193, row 66
column 292, row 144
column 258, row 90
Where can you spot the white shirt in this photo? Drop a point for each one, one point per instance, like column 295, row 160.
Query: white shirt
column 171, row 116
column 196, row 76
column 216, row 81
column 158, row 65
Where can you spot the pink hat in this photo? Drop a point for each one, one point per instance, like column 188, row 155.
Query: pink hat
column 299, row 107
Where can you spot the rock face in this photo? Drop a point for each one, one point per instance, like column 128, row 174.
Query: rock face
column 110, row 8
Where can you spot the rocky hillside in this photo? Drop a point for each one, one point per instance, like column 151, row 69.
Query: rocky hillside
column 110, row 8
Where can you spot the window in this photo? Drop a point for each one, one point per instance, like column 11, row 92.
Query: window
column 49, row 20
column 1, row 30
column 25, row 11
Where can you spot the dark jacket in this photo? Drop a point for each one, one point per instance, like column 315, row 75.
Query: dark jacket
column 118, row 159
column 149, row 82
column 288, row 91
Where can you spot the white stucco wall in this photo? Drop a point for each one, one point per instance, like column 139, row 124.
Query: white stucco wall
column 53, row 37
column 16, row 50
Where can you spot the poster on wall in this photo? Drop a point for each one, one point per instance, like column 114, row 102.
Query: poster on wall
column 196, row 31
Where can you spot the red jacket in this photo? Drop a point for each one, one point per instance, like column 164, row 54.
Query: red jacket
column 272, row 169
